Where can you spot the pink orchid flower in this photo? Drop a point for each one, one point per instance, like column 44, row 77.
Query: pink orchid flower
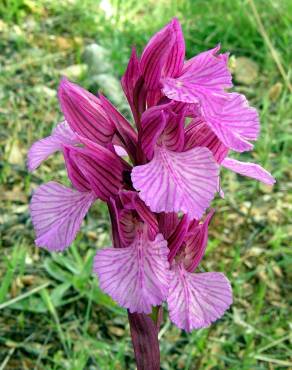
column 186, row 123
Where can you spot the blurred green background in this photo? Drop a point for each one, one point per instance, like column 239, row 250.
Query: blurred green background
column 52, row 313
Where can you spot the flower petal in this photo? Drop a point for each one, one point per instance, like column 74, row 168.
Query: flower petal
column 206, row 73
column 101, row 168
column 173, row 136
column 133, row 86
column 196, row 243
column 175, row 60
column 198, row 133
column 57, row 213
column 124, row 130
column 155, row 55
column 236, row 123
column 43, row 148
column 76, row 177
column 131, row 201
column 173, row 182
column 85, row 113
column 175, row 241
column 197, row 300
column 252, row 170
column 137, row 277
column 153, row 123
column 167, row 223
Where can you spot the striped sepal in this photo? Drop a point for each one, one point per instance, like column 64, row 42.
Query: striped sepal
column 84, row 113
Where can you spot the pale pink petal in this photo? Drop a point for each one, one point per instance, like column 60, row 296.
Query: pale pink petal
column 173, row 182
column 197, row 300
column 252, row 170
column 57, row 213
column 206, row 73
column 121, row 152
column 236, row 123
column 137, row 277
column 43, row 148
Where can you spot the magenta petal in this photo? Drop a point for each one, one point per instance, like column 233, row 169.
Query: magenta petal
column 198, row 133
column 155, row 55
column 173, row 182
column 131, row 201
column 173, row 136
column 206, row 73
column 153, row 123
column 43, row 148
column 85, row 113
column 137, row 277
column 175, row 241
column 175, row 60
column 124, row 130
column 197, row 300
column 249, row 169
column 132, row 84
column 76, row 177
column 128, row 227
column 100, row 167
column 167, row 222
column 57, row 213
column 196, row 243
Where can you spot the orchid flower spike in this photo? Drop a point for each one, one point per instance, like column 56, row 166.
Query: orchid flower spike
column 158, row 176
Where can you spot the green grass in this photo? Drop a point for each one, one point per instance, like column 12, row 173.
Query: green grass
column 52, row 312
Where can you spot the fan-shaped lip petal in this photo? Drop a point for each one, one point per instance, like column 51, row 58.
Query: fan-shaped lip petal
column 252, row 170
column 43, row 148
column 57, row 213
column 173, row 182
column 197, row 300
column 137, row 277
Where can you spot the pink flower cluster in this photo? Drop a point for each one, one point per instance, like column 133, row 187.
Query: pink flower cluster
column 158, row 179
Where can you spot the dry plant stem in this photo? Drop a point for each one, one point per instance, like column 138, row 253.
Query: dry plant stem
column 270, row 45
column 144, row 333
